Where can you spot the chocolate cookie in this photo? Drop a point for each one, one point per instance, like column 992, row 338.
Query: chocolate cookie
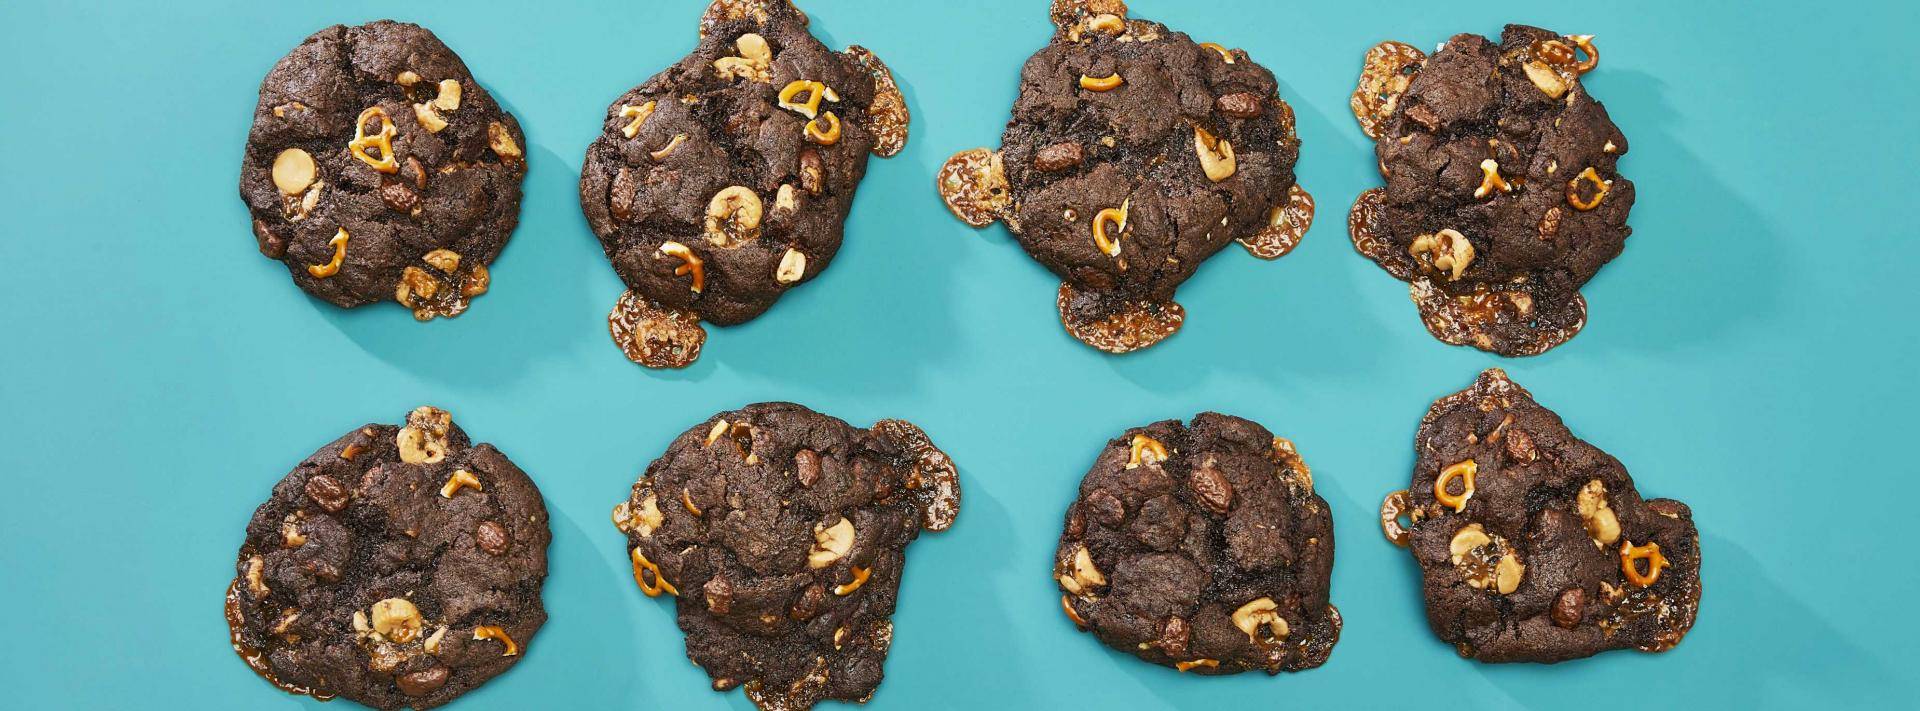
column 397, row 567
column 1502, row 197
column 378, row 168
column 1202, row 547
column 1533, row 545
column 725, row 180
column 1134, row 154
column 783, row 533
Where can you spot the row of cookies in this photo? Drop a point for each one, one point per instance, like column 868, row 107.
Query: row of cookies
column 378, row 168
column 402, row 565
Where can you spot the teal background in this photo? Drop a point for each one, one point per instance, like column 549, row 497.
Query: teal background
column 1751, row 353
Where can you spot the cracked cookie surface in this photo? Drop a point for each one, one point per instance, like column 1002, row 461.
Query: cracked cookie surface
column 378, row 168
column 721, row 183
column 783, row 534
column 1502, row 195
column 396, row 567
column 1134, row 154
column 1202, row 547
column 1535, row 546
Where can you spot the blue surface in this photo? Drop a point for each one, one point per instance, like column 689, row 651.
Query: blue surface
column 1751, row 353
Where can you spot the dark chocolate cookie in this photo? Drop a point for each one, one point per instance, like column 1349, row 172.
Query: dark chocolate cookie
column 1133, row 155
column 397, row 567
column 1502, row 197
column 783, row 533
column 725, row 180
column 1533, row 545
column 1202, row 547
column 378, row 168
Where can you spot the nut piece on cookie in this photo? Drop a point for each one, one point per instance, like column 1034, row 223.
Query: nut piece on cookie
column 349, row 180
column 1502, row 195
column 354, row 572
column 747, row 154
column 785, row 564
column 1116, row 179
column 1201, row 547
column 1542, row 551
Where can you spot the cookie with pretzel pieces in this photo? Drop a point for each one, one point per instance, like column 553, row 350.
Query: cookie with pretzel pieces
column 1202, row 547
column 782, row 532
column 397, row 567
column 1134, row 154
column 725, row 181
column 378, row 168
column 1533, row 545
column 1503, row 195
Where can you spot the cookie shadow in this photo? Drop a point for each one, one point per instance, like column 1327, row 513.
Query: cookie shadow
column 1773, row 645
column 1695, row 269
column 538, row 307
column 592, row 635
column 956, row 570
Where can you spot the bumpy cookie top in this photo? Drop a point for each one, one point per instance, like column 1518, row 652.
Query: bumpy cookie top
column 1502, row 197
column 1133, row 155
column 397, row 566
column 377, row 168
column 1534, row 546
column 783, row 532
column 1202, row 547
column 725, row 180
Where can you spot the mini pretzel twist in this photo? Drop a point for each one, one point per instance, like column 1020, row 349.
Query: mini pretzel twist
column 1630, row 557
column 484, row 632
column 660, row 584
column 1490, row 180
column 1145, row 450
column 461, row 479
column 1106, row 83
column 639, row 114
column 1585, row 43
column 339, row 244
column 1110, row 244
column 1225, row 54
column 860, row 576
column 1464, row 471
column 1066, row 603
column 1600, row 190
column 689, row 264
column 815, row 91
column 826, row 136
column 382, row 140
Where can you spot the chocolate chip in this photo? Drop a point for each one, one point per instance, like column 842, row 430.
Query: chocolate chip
column 1568, row 607
column 491, row 537
column 1174, row 636
column 416, row 171
column 1076, row 523
column 622, row 191
column 400, row 197
column 1107, row 509
column 809, row 604
column 1241, row 105
column 271, row 245
column 321, row 570
column 719, row 595
column 1424, row 116
column 327, row 492
column 806, row 466
column 1520, row 445
column 422, row 682
column 813, row 174
column 1211, row 488
column 1059, row 156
